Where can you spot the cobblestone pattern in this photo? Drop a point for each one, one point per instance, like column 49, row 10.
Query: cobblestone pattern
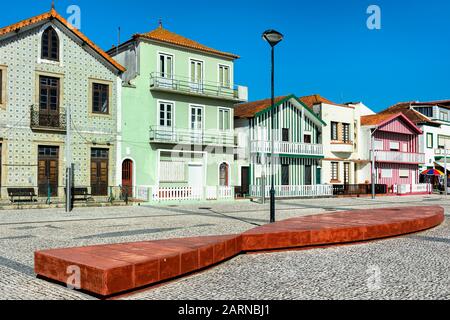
column 414, row 266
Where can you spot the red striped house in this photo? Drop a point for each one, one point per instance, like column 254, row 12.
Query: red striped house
column 394, row 139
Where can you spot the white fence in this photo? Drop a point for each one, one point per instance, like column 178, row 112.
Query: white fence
column 414, row 188
column 161, row 194
column 294, row 191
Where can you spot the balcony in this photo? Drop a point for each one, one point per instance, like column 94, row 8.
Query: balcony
column 48, row 121
column 342, row 146
column 402, row 157
column 288, row 148
column 184, row 85
column 160, row 134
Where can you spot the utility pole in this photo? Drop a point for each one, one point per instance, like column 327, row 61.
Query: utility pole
column 68, row 162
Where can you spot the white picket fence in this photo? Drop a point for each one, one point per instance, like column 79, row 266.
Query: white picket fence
column 414, row 188
column 161, row 194
column 294, row 191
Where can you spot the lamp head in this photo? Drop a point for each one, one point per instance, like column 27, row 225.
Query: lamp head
column 273, row 37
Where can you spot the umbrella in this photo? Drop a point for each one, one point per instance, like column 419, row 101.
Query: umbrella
column 433, row 172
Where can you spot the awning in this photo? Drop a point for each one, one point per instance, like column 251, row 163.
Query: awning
column 441, row 164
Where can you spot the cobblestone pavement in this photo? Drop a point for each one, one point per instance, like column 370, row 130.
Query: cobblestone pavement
column 414, row 266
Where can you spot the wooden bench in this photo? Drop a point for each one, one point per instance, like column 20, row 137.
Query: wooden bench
column 80, row 194
column 19, row 193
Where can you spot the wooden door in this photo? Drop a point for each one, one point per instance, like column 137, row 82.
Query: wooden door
column 48, row 101
column 48, row 162
column 99, row 172
column 127, row 177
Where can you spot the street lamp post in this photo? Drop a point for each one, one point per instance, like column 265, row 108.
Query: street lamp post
column 273, row 38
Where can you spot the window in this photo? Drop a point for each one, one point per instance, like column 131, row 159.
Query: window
column 224, row 119
column 224, row 76
column 285, row 135
column 48, row 94
column 429, row 140
column 378, row 145
column 172, row 171
column 346, row 173
column 307, row 138
column 165, row 114
column 335, row 171
column 404, row 173
column 223, row 175
column 196, row 118
column 386, row 173
column 50, row 45
column 346, row 132
column 166, row 66
column 443, row 142
column 404, row 147
column 285, row 175
column 394, row 146
column 334, row 131
column 2, row 86
column 443, row 116
column 100, row 98
column 427, row 111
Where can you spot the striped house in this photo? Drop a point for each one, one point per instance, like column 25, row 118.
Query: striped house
column 394, row 140
column 297, row 153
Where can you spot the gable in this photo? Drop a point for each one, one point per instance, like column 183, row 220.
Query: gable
column 398, row 125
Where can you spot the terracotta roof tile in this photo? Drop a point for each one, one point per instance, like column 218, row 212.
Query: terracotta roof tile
column 250, row 109
column 164, row 35
column 53, row 14
column 413, row 115
column 376, row 119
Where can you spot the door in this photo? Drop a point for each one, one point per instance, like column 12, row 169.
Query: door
column 48, row 102
column 285, row 174
column 99, row 171
column 165, row 70
column 48, row 162
column 197, row 124
column 195, row 179
column 346, row 173
column 308, row 175
column 224, row 175
column 196, row 75
column 245, row 180
column 127, row 177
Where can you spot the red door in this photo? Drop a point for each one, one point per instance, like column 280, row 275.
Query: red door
column 127, row 177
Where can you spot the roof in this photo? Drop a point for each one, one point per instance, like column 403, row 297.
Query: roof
column 164, row 35
column 314, row 99
column 413, row 115
column 52, row 14
column 250, row 109
column 380, row 119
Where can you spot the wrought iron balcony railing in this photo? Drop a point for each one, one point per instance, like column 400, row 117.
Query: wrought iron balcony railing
column 44, row 120
column 186, row 85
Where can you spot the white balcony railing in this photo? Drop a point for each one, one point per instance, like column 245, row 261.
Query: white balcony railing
column 294, row 191
column 287, row 148
column 159, row 81
column 188, row 136
column 346, row 147
column 394, row 156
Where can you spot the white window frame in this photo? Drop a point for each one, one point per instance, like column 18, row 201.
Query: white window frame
column 190, row 70
column 378, row 143
column 60, row 36
column 193, row 105
column 403, row 173
column 162, row 53
column 230, row 84
column 218, row 119
column 394, row 146
column 159, row 102
column 386, row 176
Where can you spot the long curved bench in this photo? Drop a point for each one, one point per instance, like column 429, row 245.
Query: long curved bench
column 107, row 270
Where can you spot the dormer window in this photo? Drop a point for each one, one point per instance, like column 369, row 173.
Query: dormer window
column 50, row 45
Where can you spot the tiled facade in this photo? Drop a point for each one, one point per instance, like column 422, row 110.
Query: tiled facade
column 20, row 56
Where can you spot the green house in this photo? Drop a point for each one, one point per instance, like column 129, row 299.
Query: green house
column 177, row 118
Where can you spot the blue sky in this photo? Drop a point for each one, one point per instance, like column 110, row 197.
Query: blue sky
column 327, row 48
